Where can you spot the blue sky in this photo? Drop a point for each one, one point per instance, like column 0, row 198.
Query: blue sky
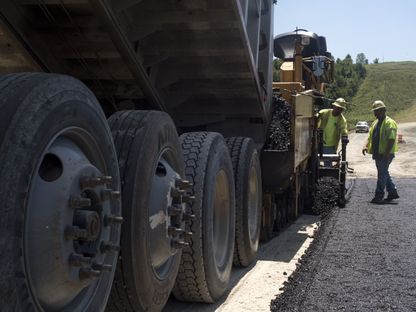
column 383, row 29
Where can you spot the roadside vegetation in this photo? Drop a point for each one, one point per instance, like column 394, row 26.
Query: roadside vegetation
column 348, row 77
column 395, row 84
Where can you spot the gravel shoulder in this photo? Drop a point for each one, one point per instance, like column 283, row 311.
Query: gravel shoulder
column 252, row 288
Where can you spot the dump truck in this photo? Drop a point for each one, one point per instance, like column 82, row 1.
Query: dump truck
column 134, row 148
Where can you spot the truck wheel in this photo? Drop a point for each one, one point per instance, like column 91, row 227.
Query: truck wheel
column 248, row 201
column 206, row 263
column 151, row 167
column 60, row 211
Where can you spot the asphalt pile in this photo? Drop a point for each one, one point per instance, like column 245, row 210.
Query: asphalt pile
column 326, row 196
column 279, row 130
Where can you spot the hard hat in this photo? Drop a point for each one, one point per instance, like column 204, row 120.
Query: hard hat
column 340, row 102
column 378, row 104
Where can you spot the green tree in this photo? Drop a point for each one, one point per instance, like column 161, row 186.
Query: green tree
column 361, row 59
column 375, row 60
column 348, row 78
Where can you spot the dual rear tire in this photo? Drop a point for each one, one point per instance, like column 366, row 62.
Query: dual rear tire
column 248, row 194
column 151, row 165
column 61, row 208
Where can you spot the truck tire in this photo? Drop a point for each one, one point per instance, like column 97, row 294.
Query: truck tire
column 248, row 199
column 150, row 159
column 206, row 263
column 57, row 161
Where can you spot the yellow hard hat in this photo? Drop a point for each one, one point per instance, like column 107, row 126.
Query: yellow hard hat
column 378, row 104
column 340, row 102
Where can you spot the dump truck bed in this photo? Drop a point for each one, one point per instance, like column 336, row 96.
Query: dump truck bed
column 205, row 62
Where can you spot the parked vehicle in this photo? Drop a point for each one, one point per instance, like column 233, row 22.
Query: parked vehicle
column 142, row 175
column 362, row 126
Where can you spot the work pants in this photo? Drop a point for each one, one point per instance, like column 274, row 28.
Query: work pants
column 384, row 180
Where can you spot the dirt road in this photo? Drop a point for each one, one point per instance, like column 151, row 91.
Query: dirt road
column 363, row 258
column 404, row 164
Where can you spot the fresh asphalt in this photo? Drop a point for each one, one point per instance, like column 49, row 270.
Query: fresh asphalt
column 362, row 259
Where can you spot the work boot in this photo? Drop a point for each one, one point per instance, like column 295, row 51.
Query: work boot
column 377, row 201
column 392, row 195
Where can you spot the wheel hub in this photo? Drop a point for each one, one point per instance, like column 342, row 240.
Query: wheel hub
column 167, row 216
column 69, row 220
column 90, row 221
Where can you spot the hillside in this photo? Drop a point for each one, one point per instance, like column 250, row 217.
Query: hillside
column 395, row 84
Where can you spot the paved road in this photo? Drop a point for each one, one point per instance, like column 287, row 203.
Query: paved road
column 364, row 258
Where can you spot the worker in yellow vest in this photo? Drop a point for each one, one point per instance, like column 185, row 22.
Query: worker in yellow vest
column 382, row 144
column 333, row 124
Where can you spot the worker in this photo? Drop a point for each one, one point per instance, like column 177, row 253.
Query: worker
column 333, row 124
column 382, row 144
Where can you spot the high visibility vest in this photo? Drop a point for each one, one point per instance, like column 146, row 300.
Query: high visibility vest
column 341, row 125
column 388, row 131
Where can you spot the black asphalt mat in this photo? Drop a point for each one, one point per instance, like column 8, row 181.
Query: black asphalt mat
column 363, row 257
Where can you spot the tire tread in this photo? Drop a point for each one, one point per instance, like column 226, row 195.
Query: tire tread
column 240, row 148
column 124, row 126
column 191, row 284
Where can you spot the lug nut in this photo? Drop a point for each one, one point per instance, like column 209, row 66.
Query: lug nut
column 90, row 182
column 110, row 219
column 74, row 232
column 187, row 235
column 176, row 193
column 86, row 273
column 108, row 247
column 79, row 260
column 179, row 244
column 183, row 184
column 102, row 267
column 172, row 231
column 110, row 194
column 79, row 202
column 107, row 179
column 189, row 199
column 188, row 216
